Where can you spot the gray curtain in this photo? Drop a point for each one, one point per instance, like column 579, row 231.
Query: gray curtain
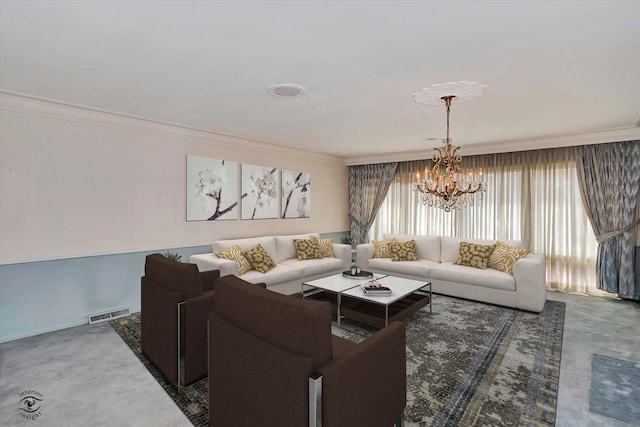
column 368, row 186
column 609, row 178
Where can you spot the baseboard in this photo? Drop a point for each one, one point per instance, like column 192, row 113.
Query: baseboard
column 41, row 331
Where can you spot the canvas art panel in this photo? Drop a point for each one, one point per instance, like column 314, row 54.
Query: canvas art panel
column 260, row 186
column 212, row 189
column 296, row 194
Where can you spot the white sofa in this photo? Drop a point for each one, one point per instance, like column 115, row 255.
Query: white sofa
column 289, row 273
column 525, row 289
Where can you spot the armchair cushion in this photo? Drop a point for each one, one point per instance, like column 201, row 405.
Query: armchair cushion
column 174, row 276
column 299, row 326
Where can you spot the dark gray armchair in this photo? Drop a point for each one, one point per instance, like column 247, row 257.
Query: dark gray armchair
column 176, row 301
column 274, row 362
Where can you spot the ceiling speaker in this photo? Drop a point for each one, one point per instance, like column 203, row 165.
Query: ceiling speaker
column 287, row 90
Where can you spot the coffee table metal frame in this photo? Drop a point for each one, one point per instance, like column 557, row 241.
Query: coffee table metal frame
column 342, row 286
column 336, row 284
column 400, row 288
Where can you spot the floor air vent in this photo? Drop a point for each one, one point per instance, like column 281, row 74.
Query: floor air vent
column 108, row 315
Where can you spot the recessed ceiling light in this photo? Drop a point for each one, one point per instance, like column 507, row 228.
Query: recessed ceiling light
column 287, row 90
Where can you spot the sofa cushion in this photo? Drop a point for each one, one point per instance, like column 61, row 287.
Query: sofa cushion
column 267, row 242
column 418, row 268
column 504, row 257
column 381, row 248
column 427, row 247
column 259, row 259
column 311, row 267
column 235, row 253
column 403, row 251
column 473, row 255
column 450, row 247
column 307, row 249
column 285, row 248
column 325, row 246
column 279, row 274
column 488, row 278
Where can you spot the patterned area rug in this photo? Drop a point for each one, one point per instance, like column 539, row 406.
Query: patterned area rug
column 468, row 364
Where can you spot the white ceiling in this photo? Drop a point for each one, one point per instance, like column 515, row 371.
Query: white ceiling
column 551, row 68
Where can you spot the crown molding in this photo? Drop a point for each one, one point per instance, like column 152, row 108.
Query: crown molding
column 629, row 133
column 59, row 110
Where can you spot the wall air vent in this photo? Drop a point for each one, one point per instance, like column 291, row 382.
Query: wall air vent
column 108, row 315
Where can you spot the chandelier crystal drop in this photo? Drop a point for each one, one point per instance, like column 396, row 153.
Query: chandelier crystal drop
column 447, row 185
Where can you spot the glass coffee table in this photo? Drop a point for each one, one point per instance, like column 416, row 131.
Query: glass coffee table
column 349, row 300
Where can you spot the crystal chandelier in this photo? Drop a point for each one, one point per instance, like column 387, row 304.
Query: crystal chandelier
column 447, row 185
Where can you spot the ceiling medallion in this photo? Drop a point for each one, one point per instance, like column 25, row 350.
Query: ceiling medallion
column 463, row 91
column 447, row 185
column 287, row 90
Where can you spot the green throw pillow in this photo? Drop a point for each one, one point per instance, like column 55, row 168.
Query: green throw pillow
column 403, row 251
column 473, row 255
column 260, row 259
column 307, row 249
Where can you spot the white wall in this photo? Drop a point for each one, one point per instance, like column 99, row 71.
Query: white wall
column 77, row 182
column 86, row 195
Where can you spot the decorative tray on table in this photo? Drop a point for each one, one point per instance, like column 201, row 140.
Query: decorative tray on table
column 374, row 287
column 361, row 275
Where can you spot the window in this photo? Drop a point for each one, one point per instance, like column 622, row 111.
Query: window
column 532, row 196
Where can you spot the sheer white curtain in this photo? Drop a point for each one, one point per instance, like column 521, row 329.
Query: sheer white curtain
column 402, row 211
column 560, row 226
column 532, row 196
column 501, row 213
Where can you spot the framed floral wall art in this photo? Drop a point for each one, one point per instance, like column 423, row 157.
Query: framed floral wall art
column 296, row 194
column 260, row 186
column 212, row 189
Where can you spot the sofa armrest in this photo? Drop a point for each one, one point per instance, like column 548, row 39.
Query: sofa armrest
column 366, row 384
column 207, row 262
column 531, row 283
column 343, row 252
column 208, row 279
column 364, row 252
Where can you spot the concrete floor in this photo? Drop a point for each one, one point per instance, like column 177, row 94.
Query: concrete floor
column 592, row 325
column 87, row 376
